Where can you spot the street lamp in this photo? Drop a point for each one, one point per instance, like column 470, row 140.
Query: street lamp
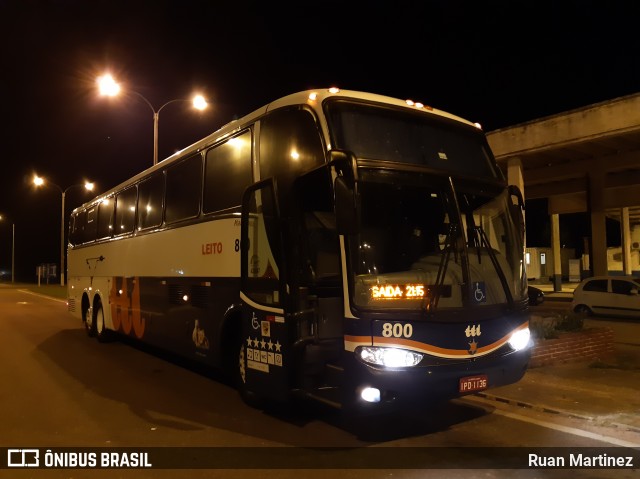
column 39, row 181
column 107, row 86
column 13, row 249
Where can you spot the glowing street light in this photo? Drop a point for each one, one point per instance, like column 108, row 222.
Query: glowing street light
column 39, row 181
column 107, row 86
column 13, row 249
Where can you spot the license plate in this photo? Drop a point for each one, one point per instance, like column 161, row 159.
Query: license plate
column 473, row 383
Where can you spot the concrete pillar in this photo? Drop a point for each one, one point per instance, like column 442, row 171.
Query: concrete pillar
column 514, row 173
column 514, row 177
column 557, row 253
column 598, row 254
column 625, row 235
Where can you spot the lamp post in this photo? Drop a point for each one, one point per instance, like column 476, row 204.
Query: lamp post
column 107, row 86
column 13, row 249
column 39, row 181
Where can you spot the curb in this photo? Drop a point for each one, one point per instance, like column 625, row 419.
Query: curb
column 558, row 299
column 551, row 410
column 534, row 407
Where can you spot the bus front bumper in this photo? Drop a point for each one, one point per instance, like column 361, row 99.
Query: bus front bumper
column 377, row 389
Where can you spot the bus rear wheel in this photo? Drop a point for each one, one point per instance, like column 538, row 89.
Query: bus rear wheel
column 89, row 324
column 101, row 332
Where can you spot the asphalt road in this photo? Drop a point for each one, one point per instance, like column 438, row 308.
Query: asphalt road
column 59, row 388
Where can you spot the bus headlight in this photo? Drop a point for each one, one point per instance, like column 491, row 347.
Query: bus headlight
column 520, row 339
column 389, row 357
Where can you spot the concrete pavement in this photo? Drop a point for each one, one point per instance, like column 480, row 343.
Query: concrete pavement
column 605, row 392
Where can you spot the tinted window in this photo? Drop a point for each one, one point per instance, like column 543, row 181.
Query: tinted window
column 150, row 194
column 410, row 137
column 91, row 226
column 599, row 285
column 263, row 256
column 125, row 211
column 72, row 221
column 622, row 287
column 105, row 218
column 184, row 187
column 290, row 145
column 227, row 173
column 77, row 231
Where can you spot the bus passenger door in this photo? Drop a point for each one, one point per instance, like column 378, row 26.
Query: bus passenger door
column 265, row 336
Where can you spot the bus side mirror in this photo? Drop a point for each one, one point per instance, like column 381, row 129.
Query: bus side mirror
column 346, row 212
column 516, row 208
column 344, row 187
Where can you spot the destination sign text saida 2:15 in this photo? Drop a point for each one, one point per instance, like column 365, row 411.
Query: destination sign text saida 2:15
column 398, row 291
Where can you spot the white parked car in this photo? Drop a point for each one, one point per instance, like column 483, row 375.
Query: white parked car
column 608, row 296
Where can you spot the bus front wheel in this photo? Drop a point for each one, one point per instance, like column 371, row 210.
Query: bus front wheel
column 249, row 397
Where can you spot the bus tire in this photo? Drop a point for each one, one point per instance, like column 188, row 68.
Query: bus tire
column 249, row 397
column 101, row 332
column 88, row 321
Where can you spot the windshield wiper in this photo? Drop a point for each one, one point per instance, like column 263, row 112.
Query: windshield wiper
column 438, row 287
column 450, row 240
column 484, row 241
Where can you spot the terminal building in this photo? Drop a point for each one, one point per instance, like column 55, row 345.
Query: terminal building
column 585, row 160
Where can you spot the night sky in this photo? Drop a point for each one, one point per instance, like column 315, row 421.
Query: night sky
column 498, row 63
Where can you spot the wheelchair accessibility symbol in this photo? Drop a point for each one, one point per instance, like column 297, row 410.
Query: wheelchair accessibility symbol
column 480, row 292
column 255, row 324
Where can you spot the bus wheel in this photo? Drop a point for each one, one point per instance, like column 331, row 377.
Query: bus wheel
column 242, row 368
column 101, row 332
column 249, row 397
column 89, row 324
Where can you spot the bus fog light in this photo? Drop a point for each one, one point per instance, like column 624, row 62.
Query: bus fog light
column 389, row 357
column 520, row 339
column 370, row 394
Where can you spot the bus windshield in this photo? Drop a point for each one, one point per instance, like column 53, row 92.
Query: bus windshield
column 411, row 137
column 427, row 242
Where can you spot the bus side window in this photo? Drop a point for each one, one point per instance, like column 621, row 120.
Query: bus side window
column 126, row 210
column 321, row 229
column 78, row 226
column 290, row 145
column 105, row 218
column 74, row 236
column 320, row 258
column 150, row 195
column 183, row 189
column 227, row 173
column 91, row 226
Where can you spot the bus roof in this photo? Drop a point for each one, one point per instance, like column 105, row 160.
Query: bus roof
column 314, row 98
